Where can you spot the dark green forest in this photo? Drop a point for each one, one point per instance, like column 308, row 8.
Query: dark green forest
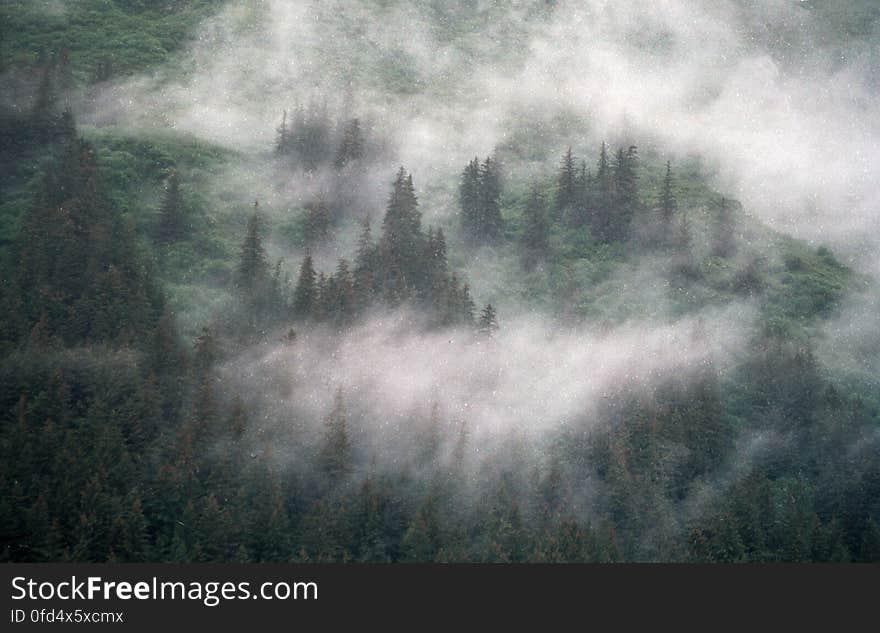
column 191, row 333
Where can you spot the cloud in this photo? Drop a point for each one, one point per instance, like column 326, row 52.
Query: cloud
column 529, row 381
column 786, row 122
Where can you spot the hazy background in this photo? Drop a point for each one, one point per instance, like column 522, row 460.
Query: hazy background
column 778, row 100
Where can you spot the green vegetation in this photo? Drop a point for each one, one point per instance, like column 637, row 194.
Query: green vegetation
column 158, row 341
column 104, row 38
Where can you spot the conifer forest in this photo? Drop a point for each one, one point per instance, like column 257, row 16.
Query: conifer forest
column 439, row 281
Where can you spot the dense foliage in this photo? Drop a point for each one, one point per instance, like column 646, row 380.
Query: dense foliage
column 120, row 440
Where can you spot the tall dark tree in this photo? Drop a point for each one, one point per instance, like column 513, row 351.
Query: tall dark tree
column 317, row 225
column 479, row 195
column 306, row 290
column 365, row 266
column 469, row 198
column 535, row 236
column 282, row 138
column 402, row 243
column 604, row 199
column 490, row 223
column 566, row 195
column 44, row 108
column 626, row 194
column 340, row 304
column 171, row 223
column 351, row 148
column 253, row 268
column 668, row 206
column 488, row 324
column 335, row 453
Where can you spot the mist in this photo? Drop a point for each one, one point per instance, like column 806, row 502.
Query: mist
column 379, row 298
column 785, row 121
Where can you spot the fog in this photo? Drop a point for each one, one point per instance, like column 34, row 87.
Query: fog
column 782, row 114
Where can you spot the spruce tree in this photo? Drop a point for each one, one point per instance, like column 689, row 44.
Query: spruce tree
column 668, row 206
column 351, row 148
column 604, row 204
column 170, row 226
column 488, row 324
column 489, row 221
column 535, row 236
column 253, row 269
column 317, row 225
column 626, row 202
column 469, row 198
column 364, row 266
column 282, row 138
column 335, row 454
column 341, row 305
column 402, row 243
column 306, row 290
column 565, row 197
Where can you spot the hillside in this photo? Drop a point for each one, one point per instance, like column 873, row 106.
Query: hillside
column 370, row 313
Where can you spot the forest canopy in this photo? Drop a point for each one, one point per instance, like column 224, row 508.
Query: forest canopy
column 347, row 298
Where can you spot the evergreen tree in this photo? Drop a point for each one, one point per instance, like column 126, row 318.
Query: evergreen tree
column 604, row 203
column 365, row 267
column 335, row 454
column 668, row 207
column 626, row 201
column 341, row 302
column 565, row 198
column 402, row 243
column 43, row 111
column 488, row 321
column 351, row 148
column 306, row 292
column 535, row 236
column 423, row 539
column 282, row 138
column 171, row 224
column 490, row 223
column 317, row 225
column 253, row 269
column 469, row 198
column 205, row 351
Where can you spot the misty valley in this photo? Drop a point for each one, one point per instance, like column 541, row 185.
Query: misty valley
column 439, row 281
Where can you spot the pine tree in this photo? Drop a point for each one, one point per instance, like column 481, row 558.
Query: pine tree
column 469, row 198
column 341, row 305
column 604, row 206
column 565, row 198
column 490, row 223
column 488, row 321
column 317, row 226
column 402, row 244
column 253, row 269
column 422, row 540
column 365, row 267
column 335, row 454
column 282, row 138
column 46, row 100
column 306, row 292
column 626, row 200
column 535, row 237
column 351, row 148
column 668, row 206
column 171, row 223
column 205, row 351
